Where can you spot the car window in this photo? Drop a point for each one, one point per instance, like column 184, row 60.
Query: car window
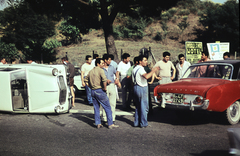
column 209, row 71
column 238, row 74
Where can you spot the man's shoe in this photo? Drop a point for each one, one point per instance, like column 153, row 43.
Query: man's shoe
column 99, row 126
column 146, row 126
column 113, row 126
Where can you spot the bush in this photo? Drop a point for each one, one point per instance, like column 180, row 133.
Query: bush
column 9, row 51
column 71, row 32
column 193, row 10
column 51, row 44
column 132, row 28
column 175, row 17
column 184, row 12
column 172, row 11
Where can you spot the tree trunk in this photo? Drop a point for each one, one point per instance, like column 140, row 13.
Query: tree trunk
column 107, row 23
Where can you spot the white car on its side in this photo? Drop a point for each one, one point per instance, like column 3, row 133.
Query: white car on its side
column 34, row 88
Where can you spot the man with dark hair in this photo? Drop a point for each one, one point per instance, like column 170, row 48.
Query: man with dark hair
column 113, row 63
column 202, row 69
column 226, row 56
column 110, row 73
column 182, row 66
column 86, row 67
column 95, row 56
column 140, row 77
column 123, row 67
column 30, row 60
column 3, row 61
column 165, row 69
column 97, row 81
column 71, row 72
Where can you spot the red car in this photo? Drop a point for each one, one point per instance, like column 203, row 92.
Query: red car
column 211, row 85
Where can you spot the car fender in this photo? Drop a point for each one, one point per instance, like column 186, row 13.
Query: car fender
column 222, row 96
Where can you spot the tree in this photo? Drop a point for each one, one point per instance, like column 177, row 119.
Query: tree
column 8, row 51
column 94, row 13
column 26, row 29
column 222, row 24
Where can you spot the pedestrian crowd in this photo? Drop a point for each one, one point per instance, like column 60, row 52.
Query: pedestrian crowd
column 102, row 77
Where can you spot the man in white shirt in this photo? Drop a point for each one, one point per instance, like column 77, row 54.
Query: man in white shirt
column 165, row 69
column 86, row 67
column 182, row 66
column 140, row 77
column 95, row 56
column 122, row 69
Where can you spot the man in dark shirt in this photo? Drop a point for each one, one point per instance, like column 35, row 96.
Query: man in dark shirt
column 71, row 72
column 97, row 81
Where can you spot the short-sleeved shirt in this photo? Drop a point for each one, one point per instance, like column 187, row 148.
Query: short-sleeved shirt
column 110, row 72
column 114, row 64
column 165, row 68
column 123, row 68
column 129, row 72
column 86, row 68
column 181, row 70
column 202, row 69
column 95, row 78
column 137, row 76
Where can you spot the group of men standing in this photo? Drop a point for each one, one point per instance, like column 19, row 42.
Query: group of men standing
column 102, row 76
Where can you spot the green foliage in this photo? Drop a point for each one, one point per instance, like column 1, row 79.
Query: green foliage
column 9, row 51
column 184, row 12
column 26, row 29
column 172, row 11
column 160, row 36
column 193, row 10
column 71, row 32
column 174, row 19
column 183, row 24
column 222, row 24
column 131, row 28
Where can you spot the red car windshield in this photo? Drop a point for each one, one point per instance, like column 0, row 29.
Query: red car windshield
column 209, row 71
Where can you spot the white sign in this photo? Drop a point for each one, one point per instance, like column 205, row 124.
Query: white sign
column 216, row 50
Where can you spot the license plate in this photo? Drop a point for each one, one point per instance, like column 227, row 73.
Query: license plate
column 177, row 98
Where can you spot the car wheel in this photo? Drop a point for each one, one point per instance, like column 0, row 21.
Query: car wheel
column 233, row 113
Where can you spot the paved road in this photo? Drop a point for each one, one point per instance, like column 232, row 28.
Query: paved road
column 75, row 134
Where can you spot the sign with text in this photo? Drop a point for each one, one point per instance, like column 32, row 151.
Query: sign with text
column 193, row 51
column 216, row 50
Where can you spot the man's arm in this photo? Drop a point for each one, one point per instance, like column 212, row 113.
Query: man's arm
column 82, row 77
column 147, row 76
column 174, row 72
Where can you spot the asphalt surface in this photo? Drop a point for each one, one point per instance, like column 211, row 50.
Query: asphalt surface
column 197, row 134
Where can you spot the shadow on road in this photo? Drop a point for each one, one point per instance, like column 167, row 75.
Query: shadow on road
column 173, row 117
column 211, row 153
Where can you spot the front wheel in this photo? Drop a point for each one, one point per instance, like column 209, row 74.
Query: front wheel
column 233, row 113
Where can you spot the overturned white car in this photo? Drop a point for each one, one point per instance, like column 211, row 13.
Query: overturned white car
column 34, row 88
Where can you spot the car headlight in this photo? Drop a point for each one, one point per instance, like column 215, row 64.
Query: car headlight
column 55, row 72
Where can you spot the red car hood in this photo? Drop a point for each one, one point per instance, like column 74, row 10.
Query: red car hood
column 197, row 86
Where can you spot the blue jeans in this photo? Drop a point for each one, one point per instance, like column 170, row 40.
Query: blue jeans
column 88, row 94
column 141, row 99
column 100, row 97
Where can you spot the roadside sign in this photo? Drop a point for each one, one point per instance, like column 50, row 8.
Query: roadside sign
column 216, row 50
column 193, row 51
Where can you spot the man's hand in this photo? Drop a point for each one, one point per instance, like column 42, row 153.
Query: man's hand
column 116, row 81
column 83, row 84
column 159, row 78
column 172, row 77
column 109, row 81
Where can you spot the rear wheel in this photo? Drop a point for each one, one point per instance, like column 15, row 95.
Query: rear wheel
column 233, row 113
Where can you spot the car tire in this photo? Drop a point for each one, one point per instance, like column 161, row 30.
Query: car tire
column 233, row 113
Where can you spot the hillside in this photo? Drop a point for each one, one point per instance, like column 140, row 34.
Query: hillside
column 174, row 41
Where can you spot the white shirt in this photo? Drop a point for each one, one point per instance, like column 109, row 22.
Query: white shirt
column 123, row 68
column 181, row 70
column 137, row 73
column 86, row 68
column 93, row 62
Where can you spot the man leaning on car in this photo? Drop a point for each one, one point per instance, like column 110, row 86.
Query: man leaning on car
column 71, row 72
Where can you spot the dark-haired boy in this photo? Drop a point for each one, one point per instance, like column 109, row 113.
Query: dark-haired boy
column 86, row 67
